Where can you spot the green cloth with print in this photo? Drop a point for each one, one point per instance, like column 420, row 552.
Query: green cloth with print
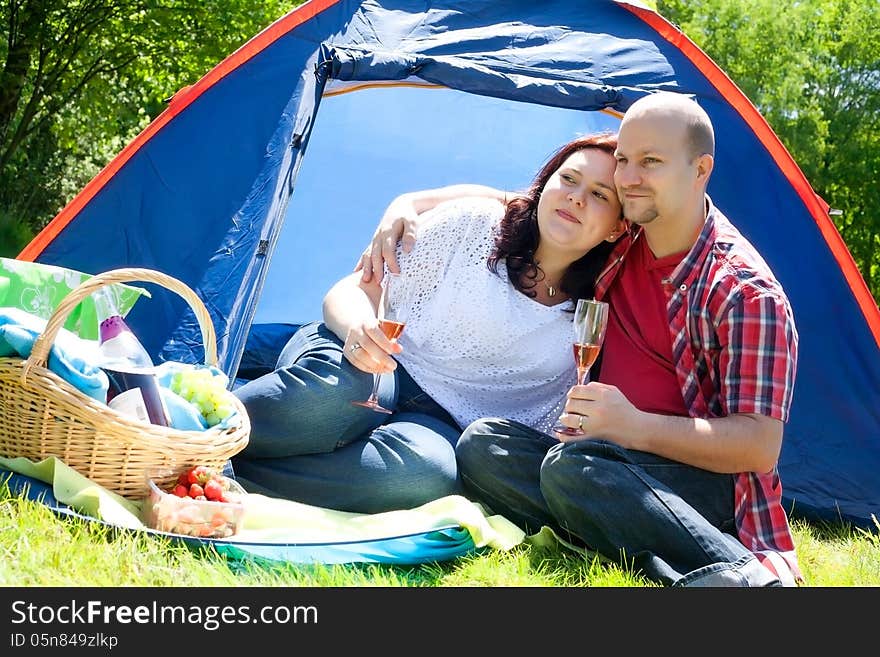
column 37, row 289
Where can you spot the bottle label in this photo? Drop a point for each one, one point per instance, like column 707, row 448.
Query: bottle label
column 131, row 402
column 146, row 404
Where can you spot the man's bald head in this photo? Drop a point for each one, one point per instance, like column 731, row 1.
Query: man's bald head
column 671, row 106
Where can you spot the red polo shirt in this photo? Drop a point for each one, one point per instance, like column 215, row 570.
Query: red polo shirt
column 638, row 348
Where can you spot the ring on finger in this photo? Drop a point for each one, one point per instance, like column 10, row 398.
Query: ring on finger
column 355, row 346
column 581, row 422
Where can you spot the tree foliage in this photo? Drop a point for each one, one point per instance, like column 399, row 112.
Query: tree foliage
column 812, row 68
column 80, row 78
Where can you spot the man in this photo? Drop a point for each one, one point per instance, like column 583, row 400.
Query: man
column 677, row 475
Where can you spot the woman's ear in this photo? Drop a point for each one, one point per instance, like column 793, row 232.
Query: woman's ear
column 616, row 232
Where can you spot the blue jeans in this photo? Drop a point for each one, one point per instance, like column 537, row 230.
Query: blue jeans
column 310, row 444
column 672, row 521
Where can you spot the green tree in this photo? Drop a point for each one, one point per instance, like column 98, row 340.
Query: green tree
column 812, row 68
column 80, row 78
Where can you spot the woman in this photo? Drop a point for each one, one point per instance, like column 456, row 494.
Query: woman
column 489, row 291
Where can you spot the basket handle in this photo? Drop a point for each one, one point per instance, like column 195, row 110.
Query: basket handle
column 40, row 352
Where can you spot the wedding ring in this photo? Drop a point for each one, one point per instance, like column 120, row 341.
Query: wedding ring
column 581, row 422
column 355, row 346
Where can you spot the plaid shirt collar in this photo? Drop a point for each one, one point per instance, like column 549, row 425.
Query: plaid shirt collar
column 687, row 270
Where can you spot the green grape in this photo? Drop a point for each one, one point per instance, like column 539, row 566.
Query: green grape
column 200, row 396
column 206, row 391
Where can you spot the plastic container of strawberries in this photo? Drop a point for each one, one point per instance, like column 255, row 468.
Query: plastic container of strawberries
column 164, row 511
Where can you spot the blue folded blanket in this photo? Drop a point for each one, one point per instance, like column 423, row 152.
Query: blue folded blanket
column 70, row 357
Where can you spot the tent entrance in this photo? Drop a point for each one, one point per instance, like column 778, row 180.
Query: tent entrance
column 373, row 142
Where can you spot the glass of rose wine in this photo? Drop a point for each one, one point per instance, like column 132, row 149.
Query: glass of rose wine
column 391, row 321
column 590, row 322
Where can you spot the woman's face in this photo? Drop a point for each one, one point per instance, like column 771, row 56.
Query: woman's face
column 579, row 207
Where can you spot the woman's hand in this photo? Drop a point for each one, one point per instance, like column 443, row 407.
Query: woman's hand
column 367, row 348
column 397, row 224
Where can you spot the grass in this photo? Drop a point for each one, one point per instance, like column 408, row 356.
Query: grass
column 37, row 548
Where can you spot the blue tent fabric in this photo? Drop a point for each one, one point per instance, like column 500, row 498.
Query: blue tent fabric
column 442, row 544
column 317, row 123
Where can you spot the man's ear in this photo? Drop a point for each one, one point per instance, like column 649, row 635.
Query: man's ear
column 705, row 164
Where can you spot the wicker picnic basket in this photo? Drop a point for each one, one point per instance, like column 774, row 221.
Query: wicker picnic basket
column 42, row 415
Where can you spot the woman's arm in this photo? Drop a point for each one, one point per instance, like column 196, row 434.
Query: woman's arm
column 350, row 312
column 401, row 219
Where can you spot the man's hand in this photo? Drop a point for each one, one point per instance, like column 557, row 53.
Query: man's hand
column 601, row 411
column 397, row 224
column 401, row 219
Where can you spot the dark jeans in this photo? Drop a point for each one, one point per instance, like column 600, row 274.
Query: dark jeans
column 672, row 521
column 310, row 444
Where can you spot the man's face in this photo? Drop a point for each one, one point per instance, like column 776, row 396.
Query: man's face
column 655, row 175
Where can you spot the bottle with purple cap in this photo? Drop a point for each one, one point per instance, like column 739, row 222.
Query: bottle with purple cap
column 134, row 387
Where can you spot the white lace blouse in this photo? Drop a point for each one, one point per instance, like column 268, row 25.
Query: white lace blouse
column 475, row 344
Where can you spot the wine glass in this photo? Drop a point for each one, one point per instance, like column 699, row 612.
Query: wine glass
column 391, row 321
column 590, row 322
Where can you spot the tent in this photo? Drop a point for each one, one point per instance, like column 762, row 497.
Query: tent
column 260, row 184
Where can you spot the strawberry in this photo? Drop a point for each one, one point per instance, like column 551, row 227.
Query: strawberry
column 220, row 479
column 190, row 514
column 196, row 491
column 199, row 474
column 213, row 489
column 181, row 491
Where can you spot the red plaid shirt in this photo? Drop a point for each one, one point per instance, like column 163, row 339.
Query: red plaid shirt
column 734, row 344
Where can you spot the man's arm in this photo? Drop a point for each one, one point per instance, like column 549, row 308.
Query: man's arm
column 736, row 443
column 401, row 219
column 758, row 367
